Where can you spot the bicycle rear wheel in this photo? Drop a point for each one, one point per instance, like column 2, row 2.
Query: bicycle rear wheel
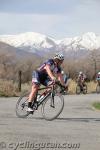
column 22, row 105
column 98, row 88
column 85, row 89
column 50, row 112
column 78, row 89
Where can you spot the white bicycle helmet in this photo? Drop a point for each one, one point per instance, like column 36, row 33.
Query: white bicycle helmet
column 99, row 73
column 80, row 72
column 59, row 56
column 62, row 72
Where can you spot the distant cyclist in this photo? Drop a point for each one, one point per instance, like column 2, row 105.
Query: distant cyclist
column 98, row 78
column 45, row 74
column 66, row 79
column 81, row 80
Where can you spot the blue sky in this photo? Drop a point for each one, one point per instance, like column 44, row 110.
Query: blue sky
column 55, row 18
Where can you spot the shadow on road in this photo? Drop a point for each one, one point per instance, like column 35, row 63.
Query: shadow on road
column 73, row 119
column 79, row 119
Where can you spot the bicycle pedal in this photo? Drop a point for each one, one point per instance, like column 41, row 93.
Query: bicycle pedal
column 31, row 112
column 52, row 106
column 35, row 107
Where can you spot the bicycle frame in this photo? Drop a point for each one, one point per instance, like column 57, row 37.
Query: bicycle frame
column 49, row 92
column 43, row 99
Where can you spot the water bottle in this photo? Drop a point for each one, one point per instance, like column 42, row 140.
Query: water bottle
column 41, row 97
column 38, row 97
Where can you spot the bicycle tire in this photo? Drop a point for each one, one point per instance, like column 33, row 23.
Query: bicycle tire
column 85, row 89
column 24, row 115
column 59, row 111
column 98, row 89
column 78, row 89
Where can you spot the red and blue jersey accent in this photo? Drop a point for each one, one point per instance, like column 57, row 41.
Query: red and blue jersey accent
column 40, row 76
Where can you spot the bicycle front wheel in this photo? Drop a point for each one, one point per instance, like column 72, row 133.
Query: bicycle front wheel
column 98, row 88
column 49, row 111
column 22, row 105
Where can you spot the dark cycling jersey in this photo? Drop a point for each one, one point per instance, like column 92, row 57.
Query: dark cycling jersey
column 65, row 78
column 81, row 77
column 98, row 77
column 41, row 75
column 53, row 67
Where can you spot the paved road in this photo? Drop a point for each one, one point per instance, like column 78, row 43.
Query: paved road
column 78, row 127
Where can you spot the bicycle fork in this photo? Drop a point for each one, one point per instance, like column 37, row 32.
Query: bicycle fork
column 52, row 100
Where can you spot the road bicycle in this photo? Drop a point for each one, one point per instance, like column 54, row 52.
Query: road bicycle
column 81, row 89
column 51, row 102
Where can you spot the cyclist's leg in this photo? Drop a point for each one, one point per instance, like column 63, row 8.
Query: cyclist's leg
column 84, row 84
column 81, row 85
column 35, row 86
column 47, row 82
column 33, row 92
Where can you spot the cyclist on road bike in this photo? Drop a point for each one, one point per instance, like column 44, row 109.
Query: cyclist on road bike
column 98, row 78
column 45, row 74
column 81, row 80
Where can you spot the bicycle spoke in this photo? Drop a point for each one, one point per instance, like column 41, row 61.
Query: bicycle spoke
column 21, row 107
column 50, row 109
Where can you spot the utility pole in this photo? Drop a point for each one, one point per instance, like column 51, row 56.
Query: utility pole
column 19, row 80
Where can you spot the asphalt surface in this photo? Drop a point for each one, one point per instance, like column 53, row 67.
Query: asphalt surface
column 78, row 126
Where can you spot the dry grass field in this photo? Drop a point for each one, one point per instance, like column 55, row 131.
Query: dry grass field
column 8, row 88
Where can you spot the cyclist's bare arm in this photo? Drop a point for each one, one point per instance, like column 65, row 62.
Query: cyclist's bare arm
column 60, row 78
column 49, row 72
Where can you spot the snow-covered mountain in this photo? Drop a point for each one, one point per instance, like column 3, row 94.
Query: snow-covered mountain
column 89, row 41
column 38, row 43
column 29, row 41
